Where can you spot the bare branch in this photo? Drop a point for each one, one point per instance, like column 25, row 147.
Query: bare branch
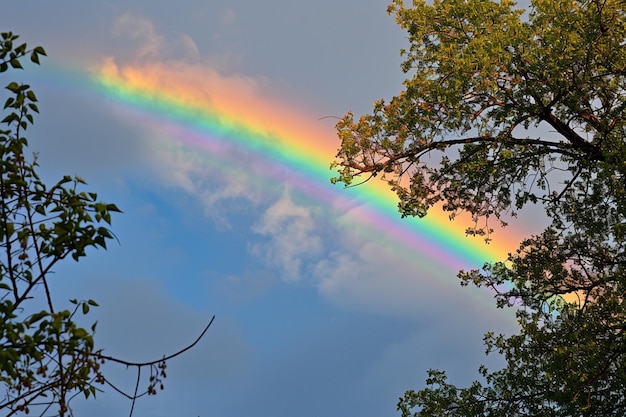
column 154, row 362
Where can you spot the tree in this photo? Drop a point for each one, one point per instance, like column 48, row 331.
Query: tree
column 523, row 107
column 46, row 358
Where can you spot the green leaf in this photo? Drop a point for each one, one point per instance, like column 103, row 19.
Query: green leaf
column 38, row 316
column 31, row 95
column 15, row 63
column 40, row 50
column 13, row 87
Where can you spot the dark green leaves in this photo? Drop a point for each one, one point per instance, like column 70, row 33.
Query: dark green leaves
column 11, row 55
column 34, row 56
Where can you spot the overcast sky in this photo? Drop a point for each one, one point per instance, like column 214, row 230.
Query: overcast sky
column 325, row 305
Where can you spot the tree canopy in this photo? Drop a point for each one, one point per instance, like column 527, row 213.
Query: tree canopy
column 503, row 108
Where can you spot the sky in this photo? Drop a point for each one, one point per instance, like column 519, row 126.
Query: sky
column 211, row 125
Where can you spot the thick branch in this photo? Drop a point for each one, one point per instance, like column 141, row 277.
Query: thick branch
column 555, row 147
column 592, row 151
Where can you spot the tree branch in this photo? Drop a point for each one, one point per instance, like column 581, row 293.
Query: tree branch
column 555, row 147
column 592, row 151
column 154, row 362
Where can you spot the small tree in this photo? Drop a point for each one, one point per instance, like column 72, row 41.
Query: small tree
column 45, row 357
column 534, row 103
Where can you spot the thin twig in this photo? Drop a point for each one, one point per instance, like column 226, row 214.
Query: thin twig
column 123, row 362
column 132, row 406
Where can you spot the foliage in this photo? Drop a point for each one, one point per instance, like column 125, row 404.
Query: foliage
column 46, row 358
column 522, row 107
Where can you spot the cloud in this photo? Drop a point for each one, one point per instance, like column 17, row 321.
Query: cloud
column 293, row 238
column 189, row 46
column 149, row 44
column 221, row 189
column 367, row 275
column 369, row 270
column 142, row 31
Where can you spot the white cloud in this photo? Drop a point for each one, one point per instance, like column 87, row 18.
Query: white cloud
column 293, row 238
column 141, row 30
column 189, row 46
column 372, row 271
column 368, row 276
column 149, row 44
column 220, row 188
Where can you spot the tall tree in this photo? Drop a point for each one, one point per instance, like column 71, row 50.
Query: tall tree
column 46, row 358
column 522, row 107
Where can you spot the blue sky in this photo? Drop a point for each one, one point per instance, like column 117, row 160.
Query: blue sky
column 314, row 316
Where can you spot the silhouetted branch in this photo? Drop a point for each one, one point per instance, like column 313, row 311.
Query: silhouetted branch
column 154, row 362
column 140, row 365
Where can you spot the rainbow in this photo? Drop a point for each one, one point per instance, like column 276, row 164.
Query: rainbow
column 215, row 114
column 288, row 146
